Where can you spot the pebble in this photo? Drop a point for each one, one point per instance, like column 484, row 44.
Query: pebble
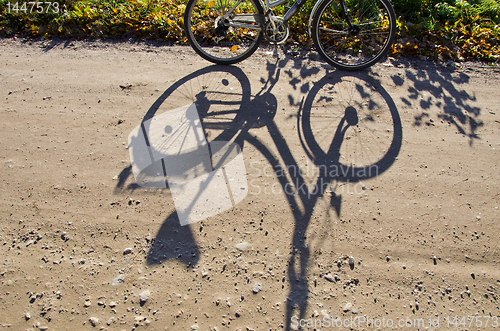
column 347, row 307
column 94, row 321
column 27, row 316
column 117, row 280
column 194, row 327
column 110, row 321
column 127, row 250
column 112, row 304
column 257, row 288
column 139, row 319
column 330, row 278
column 242, row 246
column 144, row 296
column 351, row 262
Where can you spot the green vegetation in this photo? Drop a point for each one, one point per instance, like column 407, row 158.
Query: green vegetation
column 443, row 29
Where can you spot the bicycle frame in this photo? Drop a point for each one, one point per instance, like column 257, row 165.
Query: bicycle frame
column 268, row 5
column 295, row 7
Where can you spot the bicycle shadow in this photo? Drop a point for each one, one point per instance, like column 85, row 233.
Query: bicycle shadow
column 429, row 86
column 233, row 119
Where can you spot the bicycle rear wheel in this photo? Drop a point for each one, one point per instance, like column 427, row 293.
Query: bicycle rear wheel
column 358, row 45
column 222, row 34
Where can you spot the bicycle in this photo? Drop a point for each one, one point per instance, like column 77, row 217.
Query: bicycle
column 348, row 34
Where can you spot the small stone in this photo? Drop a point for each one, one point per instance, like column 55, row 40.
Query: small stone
column 330, row 278
column 257, row 288
column 194, row 327
column 144, row 296
column 112, row 304
column 242, row 246
column 87, row 303
column 27, row 316
column 204, row 272
column 127, row 251
column 347, row 307
column 117, row 280
column 94, row 321
column 351, row 262
column 354, row 311
column 110, row 321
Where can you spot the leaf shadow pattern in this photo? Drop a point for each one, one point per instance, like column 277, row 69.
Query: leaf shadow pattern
column 444, row 88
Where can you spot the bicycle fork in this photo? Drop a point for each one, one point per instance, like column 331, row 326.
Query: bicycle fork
column 353, row 29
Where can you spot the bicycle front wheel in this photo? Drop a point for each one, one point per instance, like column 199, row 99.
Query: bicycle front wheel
column 356, row 38
column 224, row 31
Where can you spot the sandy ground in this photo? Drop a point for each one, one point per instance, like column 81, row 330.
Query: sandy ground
column 372, row 198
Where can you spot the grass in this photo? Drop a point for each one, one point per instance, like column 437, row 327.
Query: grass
column 449, row 29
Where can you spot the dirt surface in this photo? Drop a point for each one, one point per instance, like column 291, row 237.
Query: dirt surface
column 371, row 195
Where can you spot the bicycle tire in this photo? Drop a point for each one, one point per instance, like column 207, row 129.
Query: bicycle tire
column 222, row 41
column 350, row 49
